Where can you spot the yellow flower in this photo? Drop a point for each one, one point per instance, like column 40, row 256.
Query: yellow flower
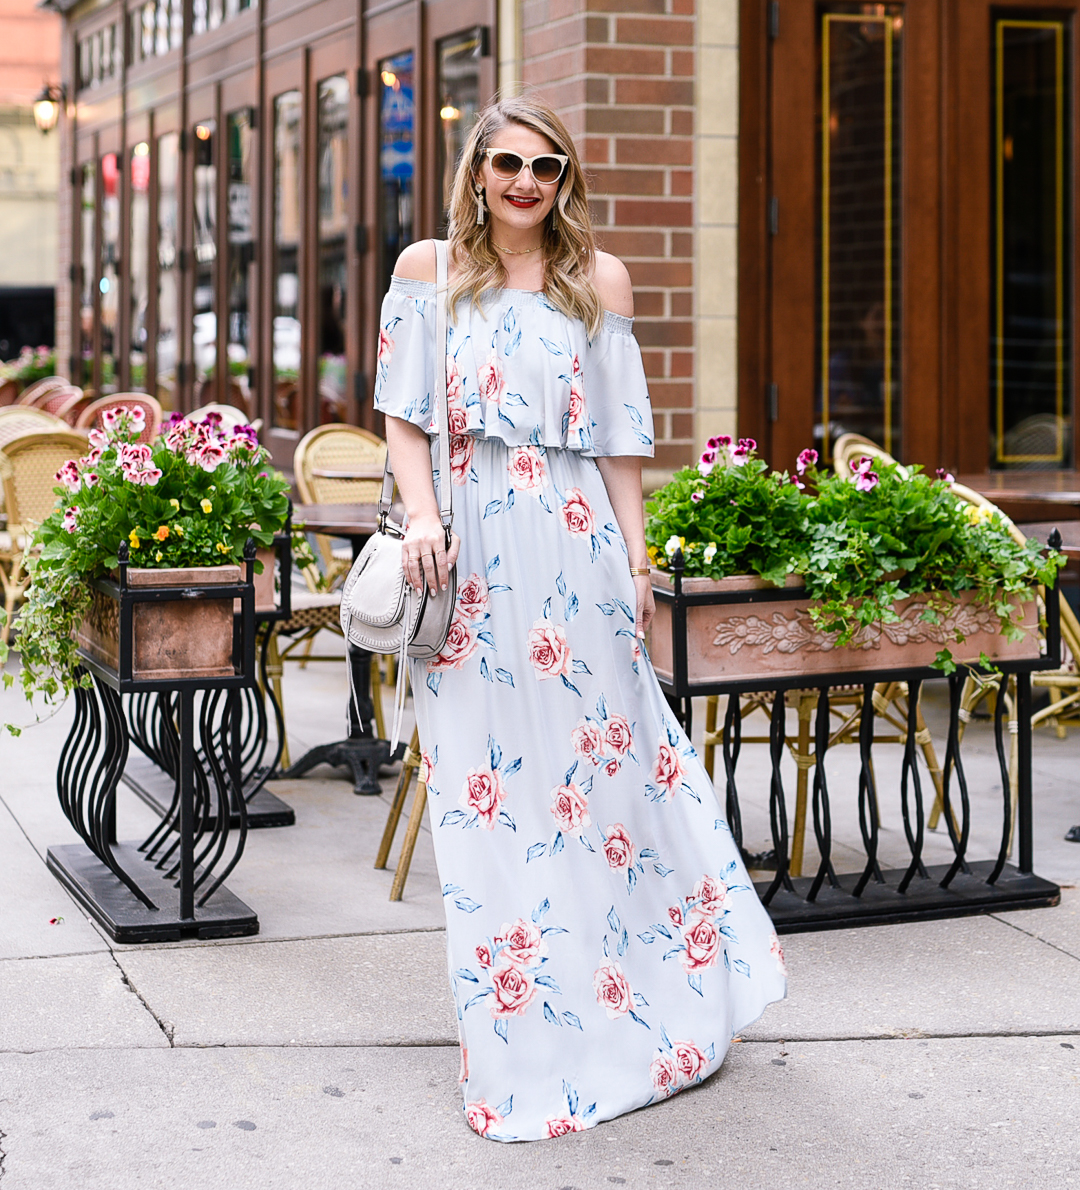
column 178, row 530
column 653, row 553
column 133, row 537
column 222, row 548
column 206, row 506
column 176, row 504
column 162, row 532
column 977, row 514
column 158, row 556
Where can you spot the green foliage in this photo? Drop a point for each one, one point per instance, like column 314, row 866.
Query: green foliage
column 33, row 363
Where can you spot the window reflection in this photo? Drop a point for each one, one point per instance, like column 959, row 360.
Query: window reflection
column 138, row 265
column 459, row 102
column 241, row 260
column 168, row 168
column 397, row 158
column 109, row 283
column 88, row 209
column 333, row 226
column 285, row 280
column 204, row 238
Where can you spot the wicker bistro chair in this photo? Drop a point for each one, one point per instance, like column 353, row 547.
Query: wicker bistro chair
column 60, row 402
column 231, row 416
column 91, row 416
column 9, row 392
column 28, row 466
column 35, row 393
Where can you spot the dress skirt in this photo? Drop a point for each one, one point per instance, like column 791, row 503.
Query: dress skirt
column 604, row 940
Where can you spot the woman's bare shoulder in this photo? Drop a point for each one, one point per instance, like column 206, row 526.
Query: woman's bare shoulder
column 612, row 283
column 417, row 262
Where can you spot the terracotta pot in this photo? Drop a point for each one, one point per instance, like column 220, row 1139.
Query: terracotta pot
column 730, row 642
column 172, row 640
column 265, row 595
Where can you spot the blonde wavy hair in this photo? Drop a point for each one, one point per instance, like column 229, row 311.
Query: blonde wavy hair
column 569, row 245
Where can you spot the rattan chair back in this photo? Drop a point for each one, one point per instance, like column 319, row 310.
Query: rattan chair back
column 28, row 467
column 35, row 393
column 339, row 465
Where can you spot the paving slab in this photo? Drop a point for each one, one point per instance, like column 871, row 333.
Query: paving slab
column 76, row 1001
column 890, row 1115
column 970, row 975
column 1059, row 926
column 383, row 989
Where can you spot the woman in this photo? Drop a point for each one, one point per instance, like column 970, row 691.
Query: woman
column 604, row 940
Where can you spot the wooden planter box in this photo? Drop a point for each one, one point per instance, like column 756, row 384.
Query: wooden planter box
column 174, row 640
column 733, row 639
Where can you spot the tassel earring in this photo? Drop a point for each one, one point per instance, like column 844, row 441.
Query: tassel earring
column 479, row 204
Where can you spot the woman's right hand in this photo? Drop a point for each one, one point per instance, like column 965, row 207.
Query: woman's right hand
column 424, row 556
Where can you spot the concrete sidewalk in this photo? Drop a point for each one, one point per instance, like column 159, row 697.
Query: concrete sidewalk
column 942, row 1054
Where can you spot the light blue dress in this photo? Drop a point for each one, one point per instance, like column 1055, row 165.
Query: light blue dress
column 604, row 940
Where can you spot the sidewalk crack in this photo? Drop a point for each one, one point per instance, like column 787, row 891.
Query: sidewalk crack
column 3, row 1155
column 167, row 1029
column 1027, row 933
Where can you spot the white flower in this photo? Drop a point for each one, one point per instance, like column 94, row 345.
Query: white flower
column 710, row 552
column 672, row 544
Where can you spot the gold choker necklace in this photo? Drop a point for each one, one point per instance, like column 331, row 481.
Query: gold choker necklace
column 517, row 251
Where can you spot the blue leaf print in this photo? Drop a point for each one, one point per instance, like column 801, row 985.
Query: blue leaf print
column 452, row 817
column 672, row 734
column 515, row 399
column 625, row 632
column 550, row 1015
column 509, row 322
column 494, row 752
column 560, row 583
column 545, row 981
column 643, row 438
column 572, row 607
column 586, row 844
column 579, row 667
column 607, row 608
column 686, row 789
column 695, row 982
column 674, row 950
column 625, row 609
column 486, row 637
column 506, row 1107
column 570, row 772
column 589, row 1111
column 648, row 853
column 634, row 1016
column 570, row 685
column 498, row 587
column 450, row 889
column 465, row 973
column 586, row 786
column 607, row 951
column 503, row 417
column 535, row 851
column 504, row 675
column 573, row 1021
column 467, row 904
column 513, row 767
column 557, row 843
column 544, row 502
column 506, row 820
column 710, row 1053
column 565, row 418
column 500, row 1029
column 493, row 565
column 729, row 933
column 594, row 547
column 554, row 348
column 476, row 999
column 742, row 967
column 660, row 870
column 640, row 1000
column 433, row 681
column 648, row 937
column 624, row 943
column 660, row 928
column 540, row 910
column 547, row 608
column 631, row 879
column 613, row 920
column 484, row 671
column 635, row 414
column 665, row 1038
column 552, row 930
column 601, row 707
column 571, row 1097
column 492, row 508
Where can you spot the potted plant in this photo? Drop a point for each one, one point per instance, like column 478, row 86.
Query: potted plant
column 885, row 569
column 33, row 363
column 184, row 507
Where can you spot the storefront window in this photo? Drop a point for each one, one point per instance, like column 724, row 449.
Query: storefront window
column 241, row 260
column 204, row 330
column 286, row 256
column 333, row 226
column 139, row 265
column 168, row 169
column 109, row 282
column 397, row 159
column 88, row 208
column 459, row 102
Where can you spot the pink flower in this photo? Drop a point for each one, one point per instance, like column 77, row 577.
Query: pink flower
column 707, row 462
column 588, row 740
column 136, row 465
column 135, row 454
column 91, row 479
column 523, row 943
column 98, row 440
column 211, row 456
column 866, row 482
column 577, row 514
column 570, row 808
column 91, row 457
column 527, row 470
column 561, row 1125
column 110, row 418
column 702, row 940
column 515, row 990
column 611, row 768
column 743, row 451
column 612, row 989
column 668, row 770
column 481, row 1117
column 618, row 850
column 472, row 597
column 664, row 1073
column 69, row 476
column 710, row 895
column 689, row 1060
column 461, row 643
column 777, row 952
column 577, row 420
column 548, row 650
column 697, row 497
column 944, row 476
column 807, row 458
column 720, row 442
column 386, row 347
column 70, row 519
column 617, row 735
column 461, row 453
column 483, row 792
column 489, row 380
column 483, row 956
column 136, row 419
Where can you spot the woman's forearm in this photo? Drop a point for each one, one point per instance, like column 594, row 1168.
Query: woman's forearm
column 622, row 478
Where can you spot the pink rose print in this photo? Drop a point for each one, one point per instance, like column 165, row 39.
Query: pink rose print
column 702, row 940
column 427, row 768
column 675, row 913
column 386, row 347
column 611, row 768
column 664, row 1074
column 570, row 808
column 473, row 597
column 463, row 1075
column 483, row 956
column 668, row 770
column 711, row 893
column 577, row 513
column 588, row 741
column 515, row 990
column 454, row 390
column 548, row 650
column 489, row 380
column 612, row 989
column 617, row 847
column 461, row 643
column 561, row 1125
column 523, row 942
column 689, row 1060
column 617, row 735
column 777, row 952
column 459, row 420
column 483, row 792
column 481, row 1117
column 461, row 453
column 527, row 470
column 577, row 408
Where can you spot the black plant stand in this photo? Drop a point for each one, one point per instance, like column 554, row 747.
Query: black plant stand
column 171, row 885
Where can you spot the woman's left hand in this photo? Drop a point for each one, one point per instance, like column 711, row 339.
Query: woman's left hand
column 646, row 604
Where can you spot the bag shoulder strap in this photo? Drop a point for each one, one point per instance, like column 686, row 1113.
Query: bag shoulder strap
column 442, row 410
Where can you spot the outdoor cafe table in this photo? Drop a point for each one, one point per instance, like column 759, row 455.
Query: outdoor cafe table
column 361, row 751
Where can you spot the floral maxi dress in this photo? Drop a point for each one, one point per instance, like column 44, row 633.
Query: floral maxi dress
column 604, row 940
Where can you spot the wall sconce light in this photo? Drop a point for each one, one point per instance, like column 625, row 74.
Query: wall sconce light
column 47, row 106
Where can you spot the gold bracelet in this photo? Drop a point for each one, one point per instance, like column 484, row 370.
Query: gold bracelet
column 636, row 570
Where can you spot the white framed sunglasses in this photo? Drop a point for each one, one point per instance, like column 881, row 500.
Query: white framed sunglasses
column 546, row 168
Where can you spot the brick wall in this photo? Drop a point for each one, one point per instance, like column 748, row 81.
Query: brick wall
column 621, row 73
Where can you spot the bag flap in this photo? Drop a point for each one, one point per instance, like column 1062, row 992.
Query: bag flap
column 375, row 589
